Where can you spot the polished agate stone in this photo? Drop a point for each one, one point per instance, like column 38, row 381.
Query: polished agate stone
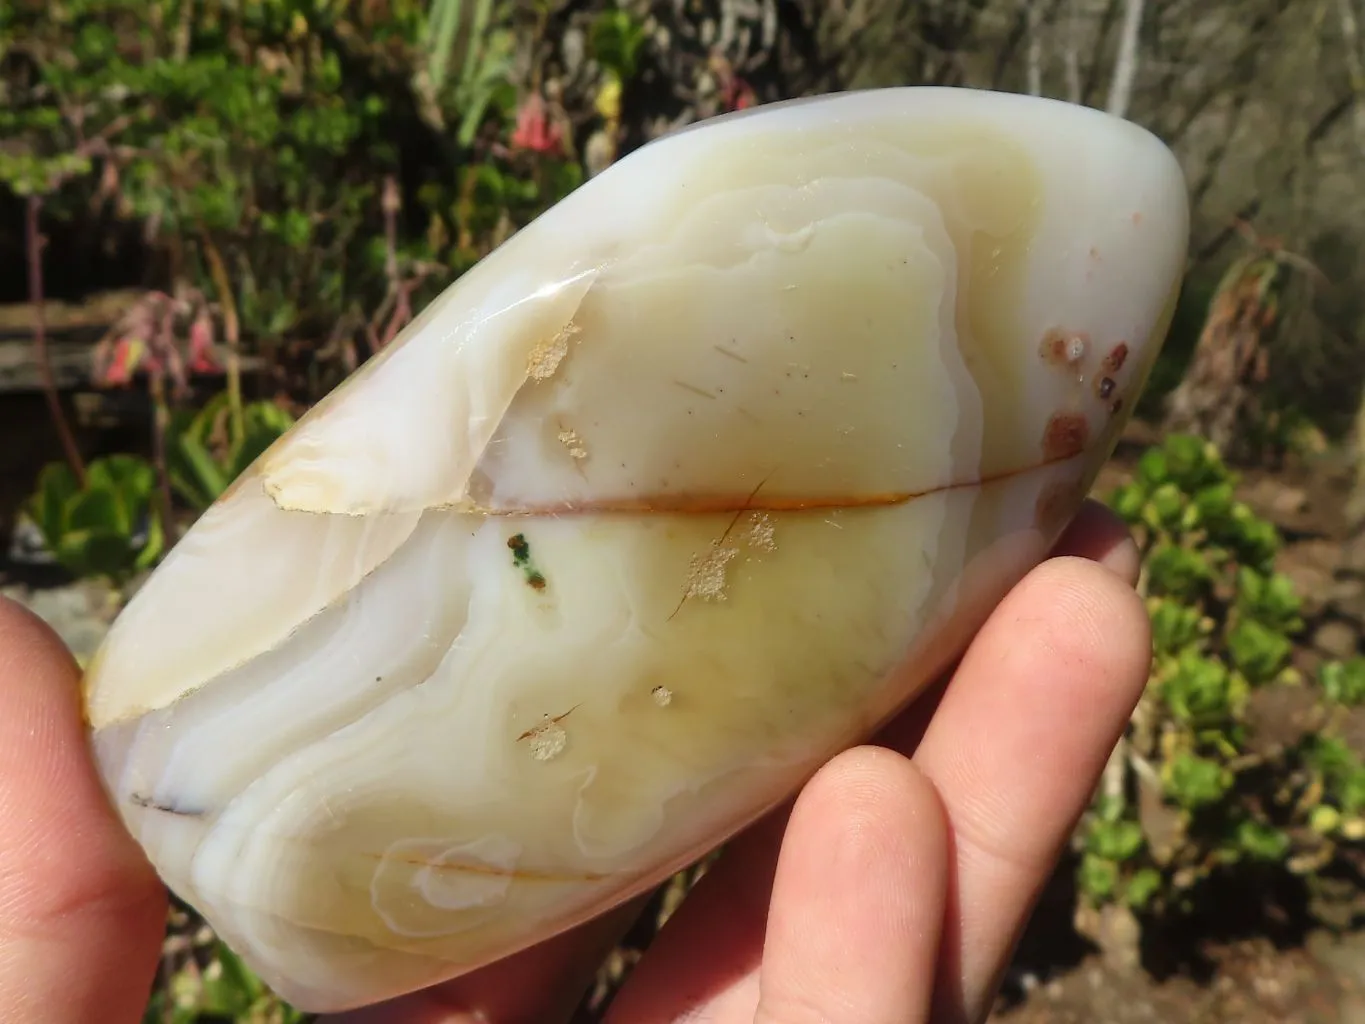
column 689, row 485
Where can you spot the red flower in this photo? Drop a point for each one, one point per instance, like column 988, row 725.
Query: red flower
column 535, row 132
column 738, row 94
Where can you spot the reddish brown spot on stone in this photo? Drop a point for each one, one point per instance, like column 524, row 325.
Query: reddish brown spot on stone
column 1137, row 218
column 1053, row 347
column 1116, row 406
column 1117, row 356
column 1062, row 348
column 1105, row 387
column 1065, row 436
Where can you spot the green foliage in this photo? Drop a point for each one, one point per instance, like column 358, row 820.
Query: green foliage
column 109, row 527
column 481, row 81
column 267, row 129
column 1202, row 791
column 223, row 990
column 207, row 450
column 193, row 138
column 616, row 40
column 1344, row 681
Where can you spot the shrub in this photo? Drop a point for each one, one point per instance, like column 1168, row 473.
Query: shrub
column 318, row 161
column 1196, row 791
column 107, row 527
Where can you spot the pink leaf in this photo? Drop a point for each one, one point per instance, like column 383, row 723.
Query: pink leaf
column 201, row 345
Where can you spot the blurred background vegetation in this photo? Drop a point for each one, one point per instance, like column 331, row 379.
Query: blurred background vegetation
column 211, row 211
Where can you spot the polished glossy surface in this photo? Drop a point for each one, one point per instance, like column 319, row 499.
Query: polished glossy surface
column 690, row 484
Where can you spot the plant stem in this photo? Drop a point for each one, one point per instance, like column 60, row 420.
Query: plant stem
column 35, row 242
column 231, row 332
column 161, row 419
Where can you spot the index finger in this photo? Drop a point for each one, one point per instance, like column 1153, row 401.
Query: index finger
column 1016, row 747
column 81, row 911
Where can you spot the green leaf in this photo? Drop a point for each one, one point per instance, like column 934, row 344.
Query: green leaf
column 1214, row 504
column 1142, row 888
column 1177, row 571
column 1257, row 652
column 1098, row 878
column 1255, row 540
column 1153, row 469
column 231, row 989
column 1175, row 626
column 57, row 489
column 100, row 510
column 1271, row 599
column 1127, row 502
column 90, row 553
column 1166, row 507
column 1115, row 840
column 1324, row 819
column 1195, row 782
column 441, row 26
column 265, row 423
column 615, row 40
column 1344, row 681
column 197, row 477
column 130, row 478
column 1192, row 462
column 1261, row 841
column 155, row 546
column 1201, row 692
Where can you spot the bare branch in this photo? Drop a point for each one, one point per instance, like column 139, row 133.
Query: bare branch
column 35, row 245
column 1035, row 49
column 1126, row 66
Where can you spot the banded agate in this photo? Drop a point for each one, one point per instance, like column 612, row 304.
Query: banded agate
column 693, row 482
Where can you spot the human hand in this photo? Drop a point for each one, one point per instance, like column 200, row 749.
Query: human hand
column 894, row 890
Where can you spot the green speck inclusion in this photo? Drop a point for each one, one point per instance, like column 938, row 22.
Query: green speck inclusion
column 521, row 557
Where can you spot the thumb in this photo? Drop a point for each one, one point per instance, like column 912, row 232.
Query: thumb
column 81, row 911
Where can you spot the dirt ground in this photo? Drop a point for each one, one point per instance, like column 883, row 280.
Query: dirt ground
column 1252, row 982
column 1253, row 972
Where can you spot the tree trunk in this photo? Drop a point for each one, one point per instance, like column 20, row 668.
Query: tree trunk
column 1218, row 398
column 1355, row 66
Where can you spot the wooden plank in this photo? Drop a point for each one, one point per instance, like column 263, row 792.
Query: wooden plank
column 94, row 315
column 19, row 372
column 71, row 365
column 72, row 333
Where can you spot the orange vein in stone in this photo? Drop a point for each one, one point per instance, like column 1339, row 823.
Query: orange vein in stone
column 710, row 504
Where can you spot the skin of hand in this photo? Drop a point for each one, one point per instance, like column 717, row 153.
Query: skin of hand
column 892, row 890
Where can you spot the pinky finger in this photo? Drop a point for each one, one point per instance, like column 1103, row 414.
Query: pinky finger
column 858, row 902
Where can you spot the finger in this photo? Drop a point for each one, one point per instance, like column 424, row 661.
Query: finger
column 81, row 911
column 858, row 900
column 540, row 985
column 1097, row 533
column 1019, row 741
column 704, row 964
